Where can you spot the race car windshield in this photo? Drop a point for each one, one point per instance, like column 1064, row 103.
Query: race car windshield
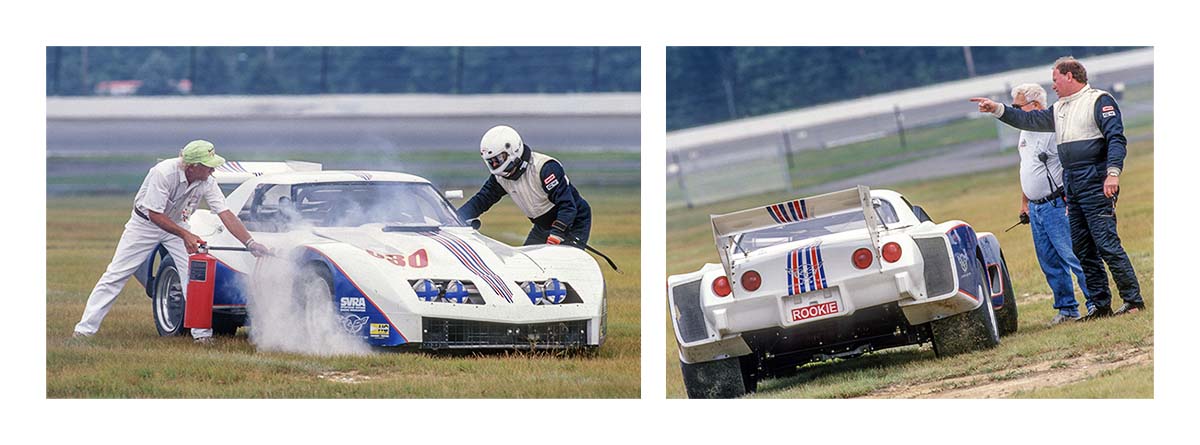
column 813, row 228
column 352, row 204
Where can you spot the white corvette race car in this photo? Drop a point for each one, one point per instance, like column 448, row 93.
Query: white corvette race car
column 388, row 251
column 835, row 275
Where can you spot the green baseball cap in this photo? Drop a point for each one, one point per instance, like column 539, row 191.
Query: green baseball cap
column 201, row 152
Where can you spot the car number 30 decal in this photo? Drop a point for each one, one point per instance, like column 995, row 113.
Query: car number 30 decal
column 418, row 259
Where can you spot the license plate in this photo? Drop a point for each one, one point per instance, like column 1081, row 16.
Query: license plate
column 809, row 305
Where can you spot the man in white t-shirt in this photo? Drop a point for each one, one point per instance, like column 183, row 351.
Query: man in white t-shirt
column 1042, row 198
column 170, row 193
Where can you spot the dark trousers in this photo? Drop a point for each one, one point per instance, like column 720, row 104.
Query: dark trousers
column 580, row 229
column 1094, row 237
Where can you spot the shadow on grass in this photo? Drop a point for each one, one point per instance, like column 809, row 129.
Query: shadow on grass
column 872, row 363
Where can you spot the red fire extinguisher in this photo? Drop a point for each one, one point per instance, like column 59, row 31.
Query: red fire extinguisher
column 201, row 273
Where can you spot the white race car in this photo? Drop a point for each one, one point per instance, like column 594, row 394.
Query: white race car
column 835, row 275
column 388, row 251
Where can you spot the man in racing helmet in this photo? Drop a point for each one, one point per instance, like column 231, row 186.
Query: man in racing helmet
column 558, row 213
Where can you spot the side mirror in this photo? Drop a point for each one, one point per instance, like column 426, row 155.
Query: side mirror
column 453, row 194
column 475, row 223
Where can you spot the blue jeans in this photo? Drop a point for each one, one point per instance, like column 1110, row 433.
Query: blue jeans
column 1052, row 240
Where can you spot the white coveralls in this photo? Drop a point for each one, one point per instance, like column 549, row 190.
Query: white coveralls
column 165, row 190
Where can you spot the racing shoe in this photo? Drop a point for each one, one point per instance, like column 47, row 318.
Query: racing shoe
column 1130, row 308
column 1097, row 313
column 207, row 341
column 1062, row 318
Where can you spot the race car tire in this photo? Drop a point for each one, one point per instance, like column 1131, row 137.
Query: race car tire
column 314, row 287
column 750, row 372
column 1006, row 316
column 966, row 332
column 719, row 379
column 168, row 302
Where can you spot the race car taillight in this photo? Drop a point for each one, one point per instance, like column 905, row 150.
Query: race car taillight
column 751, row 280
column 720, row 286
column 861, row 258
column 891, row 252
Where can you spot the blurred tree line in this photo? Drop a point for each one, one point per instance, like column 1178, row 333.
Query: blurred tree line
column 342, row 70
column 713, row 84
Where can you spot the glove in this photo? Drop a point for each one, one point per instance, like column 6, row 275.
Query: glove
column 554, row 239
column 258, row 249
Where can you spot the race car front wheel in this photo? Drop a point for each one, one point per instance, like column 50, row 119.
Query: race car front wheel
column 719, row 379
column 168, row 299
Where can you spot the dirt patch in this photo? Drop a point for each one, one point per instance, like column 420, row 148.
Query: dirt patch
column 1006, row 382
column 352, row 377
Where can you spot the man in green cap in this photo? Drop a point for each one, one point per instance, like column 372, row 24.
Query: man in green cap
column 170, row 193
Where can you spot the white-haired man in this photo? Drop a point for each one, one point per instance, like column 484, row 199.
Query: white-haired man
column 170, row 193
column 1043, row 200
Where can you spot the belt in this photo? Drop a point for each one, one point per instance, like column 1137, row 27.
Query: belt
column 1057, row 194
column 139, row 213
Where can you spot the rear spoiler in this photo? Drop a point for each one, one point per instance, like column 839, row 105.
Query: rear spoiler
column 729, row 225
column 235, row 172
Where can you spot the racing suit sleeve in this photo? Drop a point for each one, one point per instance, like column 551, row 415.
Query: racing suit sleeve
column 558, row 191
column 488, row 195
column 1036, row 120
column 1108, row 120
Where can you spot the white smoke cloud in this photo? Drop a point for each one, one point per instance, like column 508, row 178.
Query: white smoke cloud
column 292, row 310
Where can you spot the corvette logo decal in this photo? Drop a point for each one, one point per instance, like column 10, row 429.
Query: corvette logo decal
column 471, row 260
column 790, row 211
column 353, row 323
column 806, row 270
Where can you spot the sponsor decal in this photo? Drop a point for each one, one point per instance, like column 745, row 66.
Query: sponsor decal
column 790, row 211
column 1108, row 114
column 380, row 330
column 816, row 310
column 806, row 270
column 353, row 304
column 964, row 263
column 353, row 323
column 550, row 182
column 418, row 259
column 1107, row 108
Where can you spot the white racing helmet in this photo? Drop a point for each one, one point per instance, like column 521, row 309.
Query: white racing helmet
column 501, row 149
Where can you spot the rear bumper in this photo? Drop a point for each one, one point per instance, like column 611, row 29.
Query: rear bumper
column 916, row 290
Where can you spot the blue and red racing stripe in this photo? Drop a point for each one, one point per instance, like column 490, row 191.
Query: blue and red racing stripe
column 471, row 260
column 790, row 211
column 806, row 270
column 232, row 166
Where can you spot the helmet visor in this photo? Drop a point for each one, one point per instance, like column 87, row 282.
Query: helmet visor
column 495, row 162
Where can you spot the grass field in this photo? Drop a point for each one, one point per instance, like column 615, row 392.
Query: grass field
column 127, row 359
column 1112, row 358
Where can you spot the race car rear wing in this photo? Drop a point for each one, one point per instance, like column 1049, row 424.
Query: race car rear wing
column 729, row 225
column 236, row 172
